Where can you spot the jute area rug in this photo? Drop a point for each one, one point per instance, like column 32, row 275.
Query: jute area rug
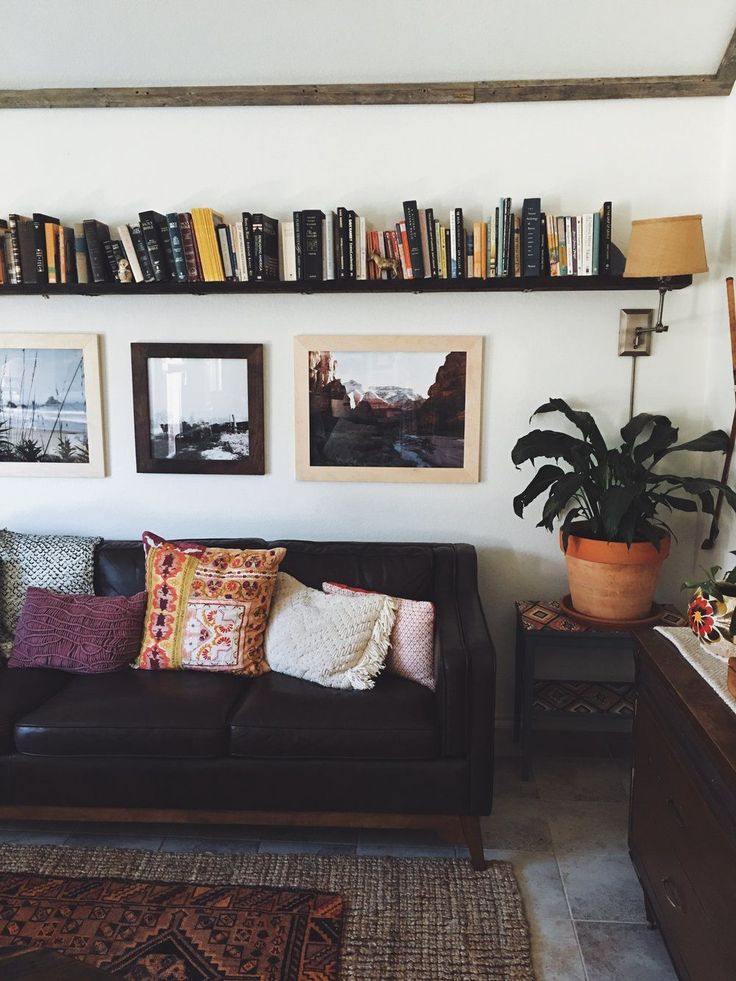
column 403, row 919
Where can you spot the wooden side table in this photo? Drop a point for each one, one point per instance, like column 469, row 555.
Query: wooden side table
column 580, row 686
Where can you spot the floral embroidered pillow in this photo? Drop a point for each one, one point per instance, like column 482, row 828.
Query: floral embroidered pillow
column 411, row 654
column 207, row 607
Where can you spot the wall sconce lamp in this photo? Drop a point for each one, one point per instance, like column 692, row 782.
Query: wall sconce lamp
column 661, row 248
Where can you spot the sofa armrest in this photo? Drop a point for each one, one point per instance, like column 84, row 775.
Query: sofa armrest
column 465, row 665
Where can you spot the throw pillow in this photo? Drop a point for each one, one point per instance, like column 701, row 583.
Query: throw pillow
column 82, row 634
column 207, row 607
column 64, row 563
column 336, row 641
column 411, row 654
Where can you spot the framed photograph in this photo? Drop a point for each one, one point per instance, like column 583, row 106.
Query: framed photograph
column 198, row 408
column 388, row 408
column 50, row 406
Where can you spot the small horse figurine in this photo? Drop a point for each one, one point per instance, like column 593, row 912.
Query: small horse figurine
column 382, row 263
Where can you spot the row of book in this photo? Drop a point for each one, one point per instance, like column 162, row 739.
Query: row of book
column 200, row 246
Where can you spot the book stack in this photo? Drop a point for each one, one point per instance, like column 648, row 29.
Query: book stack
column 200, row 246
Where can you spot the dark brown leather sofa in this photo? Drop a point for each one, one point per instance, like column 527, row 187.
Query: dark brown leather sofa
column 178, row 746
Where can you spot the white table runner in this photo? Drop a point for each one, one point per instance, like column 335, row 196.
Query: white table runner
column 713, row 669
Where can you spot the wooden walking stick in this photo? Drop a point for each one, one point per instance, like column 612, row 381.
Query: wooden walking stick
column 713, row 534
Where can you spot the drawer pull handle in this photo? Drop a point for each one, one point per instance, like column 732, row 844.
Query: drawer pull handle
column 672, row 894
column 677, row 813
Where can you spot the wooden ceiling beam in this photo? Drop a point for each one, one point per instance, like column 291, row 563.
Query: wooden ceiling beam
column 399, row 93
column 386, row 94
column 727, row 68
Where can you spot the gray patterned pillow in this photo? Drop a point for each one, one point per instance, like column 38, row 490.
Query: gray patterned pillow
column 64, row 563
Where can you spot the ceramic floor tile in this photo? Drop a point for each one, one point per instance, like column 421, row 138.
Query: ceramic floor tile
column 539, row 880
column 517, row 823
column 579, row 778
column 306, row 848
column 408, row 851
column 555, row 952
column 602, row 887
column 588, row 827
column 504, row 745
column 624, row 952
column 507, row 780
column 552, row 742
column 33, row 837
column 223, row 846
column 148, row 843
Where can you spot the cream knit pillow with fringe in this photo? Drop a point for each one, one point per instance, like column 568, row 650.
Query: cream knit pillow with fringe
column 335, row 641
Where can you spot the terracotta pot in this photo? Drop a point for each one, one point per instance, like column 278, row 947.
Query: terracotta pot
column 611, row 580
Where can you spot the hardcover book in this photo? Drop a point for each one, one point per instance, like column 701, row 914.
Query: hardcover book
column 312, row 223
column 70, row 259
column 96, row 232
column 604, row 254
column 298, row 246
column 21, row 229
column 39, row 239
column 531, row 217
column 152, row 225
column 204, row 221
column 266, row 248
column 414, row 237
column 141, row 251
column 177, row 248
column 126, row 241
column 189, row 248
column 80, row 254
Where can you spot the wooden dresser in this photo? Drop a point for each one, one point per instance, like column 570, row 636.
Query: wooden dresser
column 682, row 826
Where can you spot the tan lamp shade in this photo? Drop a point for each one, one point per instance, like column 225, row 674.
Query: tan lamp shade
column 662, row 247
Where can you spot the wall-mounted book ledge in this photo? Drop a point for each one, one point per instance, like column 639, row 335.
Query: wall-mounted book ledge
column 498, row 284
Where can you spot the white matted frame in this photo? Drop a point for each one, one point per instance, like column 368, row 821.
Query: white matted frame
column 89, row 345
column 468, row 473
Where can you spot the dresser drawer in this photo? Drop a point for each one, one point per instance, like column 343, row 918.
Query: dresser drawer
column 688, row 859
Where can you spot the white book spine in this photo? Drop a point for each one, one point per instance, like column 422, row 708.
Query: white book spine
column 328, row 247
column 453, row 247
column 588, row 244
column 126, row 241
column 240, row 252
column 234, row 243
column 288, row 253
column 579, row 225
column 362, row 249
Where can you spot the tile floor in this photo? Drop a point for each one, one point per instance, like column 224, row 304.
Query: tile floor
column 564, row 831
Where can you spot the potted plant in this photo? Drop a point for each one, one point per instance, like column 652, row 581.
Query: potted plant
column 610, row 504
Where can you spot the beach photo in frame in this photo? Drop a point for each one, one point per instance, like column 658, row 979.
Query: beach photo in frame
column 393, row 408
column 50, row 405
column 198, row 408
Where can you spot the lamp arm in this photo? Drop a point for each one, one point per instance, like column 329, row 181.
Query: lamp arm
column 659, row 327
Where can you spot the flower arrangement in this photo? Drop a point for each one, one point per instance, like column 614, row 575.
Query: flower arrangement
column 711, row 613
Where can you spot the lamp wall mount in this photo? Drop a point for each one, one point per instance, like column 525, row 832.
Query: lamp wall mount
column 635, row 329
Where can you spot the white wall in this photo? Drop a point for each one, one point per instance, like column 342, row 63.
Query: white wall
column 648, row 157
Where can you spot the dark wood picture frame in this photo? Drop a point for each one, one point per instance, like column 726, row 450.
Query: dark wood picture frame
column 145, row 461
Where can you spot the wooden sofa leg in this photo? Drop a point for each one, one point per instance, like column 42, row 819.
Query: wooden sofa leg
column 473, row 840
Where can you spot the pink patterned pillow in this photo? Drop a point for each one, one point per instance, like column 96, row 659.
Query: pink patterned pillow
column 81, row 634
column 411, row 651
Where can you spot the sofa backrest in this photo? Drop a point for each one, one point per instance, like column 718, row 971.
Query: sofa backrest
column 405, row 570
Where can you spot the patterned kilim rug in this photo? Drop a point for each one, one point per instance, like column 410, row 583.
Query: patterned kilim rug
column 151, row 916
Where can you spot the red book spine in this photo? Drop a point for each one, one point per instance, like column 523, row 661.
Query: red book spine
column 405, row 250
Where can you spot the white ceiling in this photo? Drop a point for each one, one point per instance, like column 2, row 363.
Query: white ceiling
column 178, row 42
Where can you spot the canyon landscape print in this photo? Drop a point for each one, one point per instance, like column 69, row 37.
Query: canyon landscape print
column 387, row 409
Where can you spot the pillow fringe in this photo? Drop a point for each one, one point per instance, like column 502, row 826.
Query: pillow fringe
column 373, row 661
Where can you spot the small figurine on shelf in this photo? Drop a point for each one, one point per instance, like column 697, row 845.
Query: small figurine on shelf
column 124, row 273
column 382, row 264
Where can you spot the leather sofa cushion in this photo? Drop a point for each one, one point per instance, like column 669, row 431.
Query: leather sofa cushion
column 399, row 570
column 283, row 717
column 22, row 690
column 134, row 713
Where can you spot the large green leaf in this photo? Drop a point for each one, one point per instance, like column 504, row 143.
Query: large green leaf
column 638, row 423
column 663, row 434
column 551, row 445
column 539, row 483
column 614, row 504
column 583, row 420
column 560, row 495
column 713, row 442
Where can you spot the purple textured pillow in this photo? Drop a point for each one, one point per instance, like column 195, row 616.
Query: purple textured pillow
column 82, row 634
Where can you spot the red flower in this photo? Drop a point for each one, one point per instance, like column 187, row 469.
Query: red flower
column 700, row 614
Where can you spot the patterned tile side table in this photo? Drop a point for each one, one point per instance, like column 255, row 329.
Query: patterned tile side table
column 542, row 627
